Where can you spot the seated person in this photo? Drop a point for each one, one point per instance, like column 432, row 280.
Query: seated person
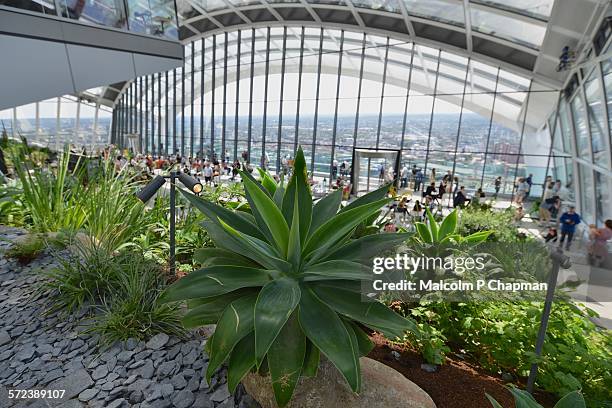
column 430, row 191
column 519, row 214
column 479, row 194
column 460, row 198
column 552, row 235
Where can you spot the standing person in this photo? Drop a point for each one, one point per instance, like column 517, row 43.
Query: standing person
column 568, row 220
column 334, row 168
column 498, row 182
column 529, row 181
column 413, row 172
column 381, row 172
column 404, row 177
column 418, row 180
column 432, row 176
column 441, row 190
column 522, row 189
column 208, row 173
column 598, row 247
column 448, row 177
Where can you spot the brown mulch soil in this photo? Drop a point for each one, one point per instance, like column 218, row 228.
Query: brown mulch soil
column 456, row 384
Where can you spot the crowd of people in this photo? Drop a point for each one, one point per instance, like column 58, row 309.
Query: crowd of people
column 433, row 192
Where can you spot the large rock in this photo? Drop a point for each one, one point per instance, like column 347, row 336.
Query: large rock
column 382, row 387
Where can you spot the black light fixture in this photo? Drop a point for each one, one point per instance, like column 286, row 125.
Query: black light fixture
column 148, row 191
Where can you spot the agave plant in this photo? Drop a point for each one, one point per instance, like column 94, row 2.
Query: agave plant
column 283, row 283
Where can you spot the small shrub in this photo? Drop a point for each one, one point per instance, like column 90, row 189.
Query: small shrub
column 120, row 291
column 27, row 248
column 133, row 309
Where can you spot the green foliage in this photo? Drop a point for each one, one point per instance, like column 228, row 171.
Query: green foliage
column 524, row 400
column 121, row 292
column 501, row 223
column 283, row 285
column 51, row 205
column 12, row 207
column 113, row 215
column 446, row 232
column 26, row 248
column 500, row 336
column 131, row 307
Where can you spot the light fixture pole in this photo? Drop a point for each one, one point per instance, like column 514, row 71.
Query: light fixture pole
column 559, row 260
column 154, row 185
column 172, row 259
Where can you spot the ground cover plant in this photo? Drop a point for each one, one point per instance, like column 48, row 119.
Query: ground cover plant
column 282, row 284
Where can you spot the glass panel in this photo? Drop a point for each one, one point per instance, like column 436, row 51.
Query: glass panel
column 40, row 6
column 580, row 127
column 603, row 197
column 566, row 129
column 586, row 193
column 607, row 77
column 530, row 35
column 383, row 5
column 439, row 10
column 157, row 17
column 596, row 119
column 109, row 13
column 533, row 8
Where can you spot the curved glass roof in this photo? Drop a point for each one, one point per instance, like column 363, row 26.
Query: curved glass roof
column 511, row 31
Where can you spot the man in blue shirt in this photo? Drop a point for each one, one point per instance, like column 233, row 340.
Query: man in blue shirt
column 568, row 220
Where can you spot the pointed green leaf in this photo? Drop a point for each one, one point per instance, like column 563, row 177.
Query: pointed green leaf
column 573, row 399
column 267, row 181
column 270, row 214
column 235, row 323
column 523, row 399
column 371, row 197
column 299, row 183
column 241, row 361
column 327, row 332
column 294, row 248
column 214, row 281
column 448, row 226
column 363, row 249
column 433, row 225
column 217, row 256
column 340, row 225
column 371, row 313
column 260, row 250
column 354, row 349
column 278, row 196
column 285, row 360
column 493, row 401
column 477, row 237
column 275, row 303
column 338, row 270
column 215, row 212
column 325, row 209
column 423, row 232
column 311, row 361
column 208, row 310
column 365, row 344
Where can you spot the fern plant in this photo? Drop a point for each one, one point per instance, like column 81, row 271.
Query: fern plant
column 283, row 283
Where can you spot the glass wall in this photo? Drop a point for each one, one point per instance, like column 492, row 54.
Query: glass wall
column 57, row 121
column 266, row 90
column 153, row 17
column 582, row 146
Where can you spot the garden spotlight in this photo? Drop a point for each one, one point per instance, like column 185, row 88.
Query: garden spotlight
column 154, row 185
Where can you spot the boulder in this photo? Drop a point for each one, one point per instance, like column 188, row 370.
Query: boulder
column 382, row 387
